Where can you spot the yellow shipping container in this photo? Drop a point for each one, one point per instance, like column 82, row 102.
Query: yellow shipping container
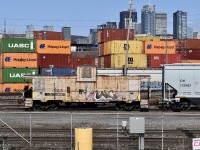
column 146, row 38
column 18, row 60
column 83, row 139
column 159, row 47
column 117, row 47
column 14, row 87
column 53, row 47
column 134, row 60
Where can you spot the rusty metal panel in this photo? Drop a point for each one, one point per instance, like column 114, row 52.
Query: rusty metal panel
column 48, row 35
column 106, row 89
column 106, row 35
column 84, row 54
column 86, row 73
column 193, row 54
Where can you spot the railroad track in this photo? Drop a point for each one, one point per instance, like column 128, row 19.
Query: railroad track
column 61, row 138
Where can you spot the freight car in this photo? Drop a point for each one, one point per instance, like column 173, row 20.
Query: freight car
column 181, row 86
column 87, row 88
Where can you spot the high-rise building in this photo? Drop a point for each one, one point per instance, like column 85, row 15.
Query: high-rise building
column 48, row 28
column 189, row 32
column 108, row 25
column 180, row 25
column 66, row 31
column 29, row 31
column 93, row 37
column 138, row 28
column 124, row 19
column 148, row 20
column 161, row 23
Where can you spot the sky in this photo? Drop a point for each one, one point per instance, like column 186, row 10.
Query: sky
column 83, row 15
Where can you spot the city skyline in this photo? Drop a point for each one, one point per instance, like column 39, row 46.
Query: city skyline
column 83, row 16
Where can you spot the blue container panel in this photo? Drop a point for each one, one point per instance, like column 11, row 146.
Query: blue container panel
column 58, row 71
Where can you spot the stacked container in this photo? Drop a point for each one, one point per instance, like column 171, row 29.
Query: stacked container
column 54, row 57
column 57, row 54
column 112, row 49
column 18, row 58
column 158, row 51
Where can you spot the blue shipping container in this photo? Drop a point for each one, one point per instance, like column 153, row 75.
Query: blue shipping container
column 58, row 71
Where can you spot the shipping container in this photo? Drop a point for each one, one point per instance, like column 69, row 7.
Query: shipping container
column 102, row 48
column 159, row 47
column 58, row 60
column 18, row 45
column 106, row 35
column 85, row 54
column 14, row 87
column 48, row 35
column 16, row 75
column 63, row 61
column 156, row 60
column 146, row 38
column 193, row 54
column 83, row 61
column 118, row 61
column 57, row 71
column 190, row 61
column 53, row 47
column 18, row 60
column 181, row 44
column 193, row 43
column 119, row 47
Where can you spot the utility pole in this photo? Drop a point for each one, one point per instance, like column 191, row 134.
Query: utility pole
column 4, row 32
column 127, row 41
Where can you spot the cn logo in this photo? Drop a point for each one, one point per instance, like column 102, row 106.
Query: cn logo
column 149, row 46
column 7, row 90
column 42, row 46
column 7, row 59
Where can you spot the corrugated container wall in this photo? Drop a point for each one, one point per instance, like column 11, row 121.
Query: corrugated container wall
column 193, row 43
column 85, row 54
column 48, row 35
column 190, row 61
column 159, row 47
column 16, row 75
column 106, row 35
column 155, row 60
column 58, row 60
column 118, row 47
column 19, row 60
column 118, row 61
column 53, row 47
column 58, row 71
column 193, row 54
column 146, row 38
column 62, row 61
column 13, row 87
column 14, row 45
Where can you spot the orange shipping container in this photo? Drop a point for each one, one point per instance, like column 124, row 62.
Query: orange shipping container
column 18, row 60
column 159, row 47
column 53, row 47
column 13, row 87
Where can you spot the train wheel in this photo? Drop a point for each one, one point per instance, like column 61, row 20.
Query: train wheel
column 120, row 106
